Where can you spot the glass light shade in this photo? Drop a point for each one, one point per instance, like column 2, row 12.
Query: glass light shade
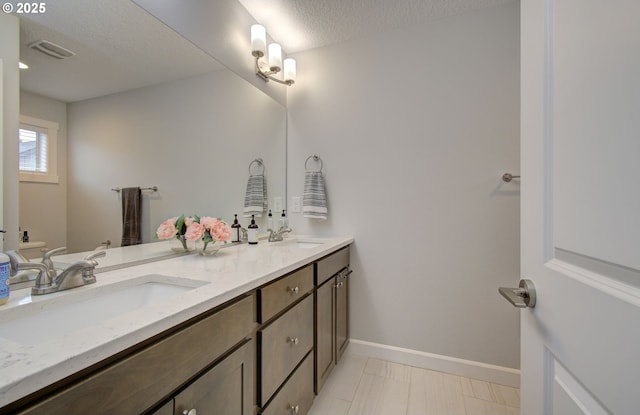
column 290, row 70
column 258, row 40
column 275, row 57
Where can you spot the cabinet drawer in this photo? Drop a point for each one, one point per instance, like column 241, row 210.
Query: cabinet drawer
column 329, row 266
column 134, row 384
column 276, row 296
column 283, row 344
column 297, row 392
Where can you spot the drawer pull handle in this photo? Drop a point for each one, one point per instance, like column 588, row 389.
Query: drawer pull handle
column 294, row 290
column 338, row 285
column 292, row 340
column 294, row 409
column 189, row 412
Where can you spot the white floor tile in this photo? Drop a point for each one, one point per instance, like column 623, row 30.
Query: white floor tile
column 368, row 386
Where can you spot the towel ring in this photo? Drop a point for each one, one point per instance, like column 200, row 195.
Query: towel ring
column 316, row 158
column 259, row 163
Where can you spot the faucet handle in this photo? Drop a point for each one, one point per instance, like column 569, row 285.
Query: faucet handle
column 47, row 255
column 97, row 254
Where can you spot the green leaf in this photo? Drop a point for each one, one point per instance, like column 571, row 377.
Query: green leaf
column 180, row 225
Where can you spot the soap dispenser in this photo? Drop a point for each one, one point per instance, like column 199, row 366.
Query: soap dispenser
column 253, row 231
column 283, row 223
column 5, row 270
column 270, row 221
column 235, row 230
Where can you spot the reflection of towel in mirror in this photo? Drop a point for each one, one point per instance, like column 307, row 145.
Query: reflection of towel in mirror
column 131, row 216
column 255, row 198
column 314, row 198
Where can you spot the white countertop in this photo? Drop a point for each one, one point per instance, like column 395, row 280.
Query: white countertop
column 233, row 271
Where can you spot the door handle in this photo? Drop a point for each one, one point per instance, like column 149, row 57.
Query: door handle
column 522, row 297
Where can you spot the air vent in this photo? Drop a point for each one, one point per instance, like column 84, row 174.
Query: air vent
column 51, row 49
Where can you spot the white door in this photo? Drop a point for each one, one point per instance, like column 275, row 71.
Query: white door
column 580, row 132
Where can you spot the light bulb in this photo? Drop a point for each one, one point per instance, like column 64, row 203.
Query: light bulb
column 258, row 40
column 275, row 57
column 290, row 70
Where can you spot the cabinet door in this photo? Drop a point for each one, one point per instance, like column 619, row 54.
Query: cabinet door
column 342, row 313
column 324, row 332
column 166, row 409
column 227, row 388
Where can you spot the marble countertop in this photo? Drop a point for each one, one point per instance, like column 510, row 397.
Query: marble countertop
column 234, row 270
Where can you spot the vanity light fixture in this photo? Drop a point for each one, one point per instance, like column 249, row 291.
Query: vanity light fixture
column 274, row 64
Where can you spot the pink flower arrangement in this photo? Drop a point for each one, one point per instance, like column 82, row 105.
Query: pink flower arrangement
column 194, row 228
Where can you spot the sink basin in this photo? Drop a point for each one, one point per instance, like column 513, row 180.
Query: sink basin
column 299, row 243
column 42, row 319
column 307, row 244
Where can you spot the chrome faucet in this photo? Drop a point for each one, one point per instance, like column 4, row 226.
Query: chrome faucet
column 48, row 280
column 276, row 236
column 77, row 274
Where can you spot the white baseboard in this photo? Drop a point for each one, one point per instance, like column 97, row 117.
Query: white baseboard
column 468, row 368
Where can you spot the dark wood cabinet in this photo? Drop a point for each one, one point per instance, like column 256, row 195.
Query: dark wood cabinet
column 266, row 351
column 227, row 388
column 148, row 374
column 331, row 313
column 285, row 344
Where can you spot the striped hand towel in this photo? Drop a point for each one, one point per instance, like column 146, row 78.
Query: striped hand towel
column 314, row 199
column 255, row 198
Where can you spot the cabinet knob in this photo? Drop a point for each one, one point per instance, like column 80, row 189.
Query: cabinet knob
column 294, row 409
column 294, row 290
column 293, row 340
column 338, row 285
column 189, row 412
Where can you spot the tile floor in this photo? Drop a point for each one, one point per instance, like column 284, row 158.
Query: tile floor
column 366, row 386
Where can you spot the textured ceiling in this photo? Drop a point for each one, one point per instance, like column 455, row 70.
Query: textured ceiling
column 118, row 47
column 306, row 24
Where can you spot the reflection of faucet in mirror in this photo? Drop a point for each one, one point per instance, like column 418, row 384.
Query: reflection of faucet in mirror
column 277, row 236
column 21, row 269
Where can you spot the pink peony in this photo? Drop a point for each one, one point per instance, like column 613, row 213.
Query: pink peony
column 220, row 231
column 188, row 220
column 167, row 229
column 194, row 232
column 208, row 222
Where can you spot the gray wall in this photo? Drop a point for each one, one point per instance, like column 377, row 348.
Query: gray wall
column 415, row 128
column 43, row 206
column 193, row 138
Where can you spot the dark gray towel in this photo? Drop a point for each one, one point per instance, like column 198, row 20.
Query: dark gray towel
column 131, row 216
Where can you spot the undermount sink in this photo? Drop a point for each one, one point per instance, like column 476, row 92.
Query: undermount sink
column 307, row 244
column 300, row 243
column 47, row 318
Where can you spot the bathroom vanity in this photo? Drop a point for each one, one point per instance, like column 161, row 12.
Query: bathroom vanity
column 254, row 329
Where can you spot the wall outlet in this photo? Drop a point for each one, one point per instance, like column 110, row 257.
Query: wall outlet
column 277, row 204
column 296, row 205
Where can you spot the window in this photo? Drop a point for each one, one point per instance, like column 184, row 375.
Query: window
column 37, row 148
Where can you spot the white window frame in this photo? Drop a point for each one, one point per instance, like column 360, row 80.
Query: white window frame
column 51, row 176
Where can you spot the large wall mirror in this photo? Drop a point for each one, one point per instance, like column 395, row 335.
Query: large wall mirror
column 138, row 105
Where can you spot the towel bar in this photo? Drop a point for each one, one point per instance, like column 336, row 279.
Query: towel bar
column 153, row 188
